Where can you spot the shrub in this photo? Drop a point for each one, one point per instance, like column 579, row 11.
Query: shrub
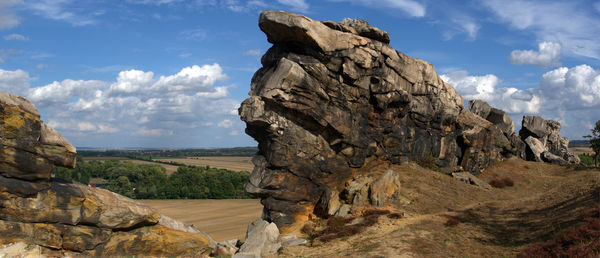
column 501, row 182
column 451, row 221
column 587, row 160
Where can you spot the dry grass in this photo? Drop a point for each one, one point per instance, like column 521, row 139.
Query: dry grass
column 221, row 219
column 544, row 201
column 226, row 162
column 581, row 150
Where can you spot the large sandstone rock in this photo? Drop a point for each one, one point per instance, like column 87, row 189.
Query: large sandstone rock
column 548, row 146
column 47, row 214
column 333, row 99
column 29, row 148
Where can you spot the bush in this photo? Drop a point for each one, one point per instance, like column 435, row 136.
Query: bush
column 587, row 160
column 451, row 221
column 501, row 182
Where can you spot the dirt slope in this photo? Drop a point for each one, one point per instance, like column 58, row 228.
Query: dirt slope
column 544, row 200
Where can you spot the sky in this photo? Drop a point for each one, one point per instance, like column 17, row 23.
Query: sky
column 172, row 73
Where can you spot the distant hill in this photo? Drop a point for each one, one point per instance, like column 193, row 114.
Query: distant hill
column 579, row 143
column 237, row 151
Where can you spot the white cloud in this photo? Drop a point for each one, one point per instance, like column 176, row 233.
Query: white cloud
column 573, row 88
column 153, row 2
column 225, row 124
column 554, row 22
column 472, row 87
column 8, row 18
column 136, row 103
column 252, row 52
column 64, row 10
column 459, row 23
column 297, row 5
column 14, row 82
column 512, row 100
column 597, row 6
column 410, row 7
column 15, row 36
column 548, row 54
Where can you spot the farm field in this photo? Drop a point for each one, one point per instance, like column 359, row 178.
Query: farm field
column 227, row 162
column 221, row 219
column 581, row 150
column 170, row 168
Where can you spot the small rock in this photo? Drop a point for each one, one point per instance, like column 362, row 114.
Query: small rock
column 291, row 240
column 471, row 179
column 226, row 248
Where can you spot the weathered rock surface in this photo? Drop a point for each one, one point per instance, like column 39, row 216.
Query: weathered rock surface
column 52, row 214
column 262, row 238
column 544, row 143
column 333, row 99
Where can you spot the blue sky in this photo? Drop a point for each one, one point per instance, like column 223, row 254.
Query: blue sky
column 171, row 73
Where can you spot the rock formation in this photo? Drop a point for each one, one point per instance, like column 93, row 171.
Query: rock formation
column 334, row 100
column 59, row 216
column 544, row 144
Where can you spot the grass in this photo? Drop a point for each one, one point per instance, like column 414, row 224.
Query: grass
column 587, row 160
column 583, row 241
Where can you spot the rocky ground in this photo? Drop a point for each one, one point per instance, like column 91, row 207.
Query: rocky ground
column 499, row 222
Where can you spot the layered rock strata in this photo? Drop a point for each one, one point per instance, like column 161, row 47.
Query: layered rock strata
column 61, row 216
column 334, row 100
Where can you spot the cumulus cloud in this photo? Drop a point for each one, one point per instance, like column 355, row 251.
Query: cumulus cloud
column 512, row 100
column 548, row 54
column 553, row 21
column 136, row 103
column 410, row 7
column 562, row 93
column 15, row 36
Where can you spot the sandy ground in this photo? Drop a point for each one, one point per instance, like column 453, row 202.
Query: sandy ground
column 221, row 219
column 170, row 169
column 226, row 162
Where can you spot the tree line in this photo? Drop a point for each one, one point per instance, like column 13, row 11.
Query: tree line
column 146, row 181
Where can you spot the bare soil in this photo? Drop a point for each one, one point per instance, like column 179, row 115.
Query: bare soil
column 221, row 219
column 544, row 201
column 227, row 162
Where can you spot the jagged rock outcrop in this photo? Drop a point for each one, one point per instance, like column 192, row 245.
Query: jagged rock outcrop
column 544, row 143
column 334, row 100
column 57, row 215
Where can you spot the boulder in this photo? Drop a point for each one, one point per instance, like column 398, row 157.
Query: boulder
column 471, row 179
column 262, row 238
column 555, row 149
column 333, row 99
column 47, row 215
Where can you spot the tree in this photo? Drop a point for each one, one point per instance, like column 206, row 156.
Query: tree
column 595, row 141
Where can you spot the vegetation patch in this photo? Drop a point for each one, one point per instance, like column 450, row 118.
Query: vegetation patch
column 582, row 241
column 501, row 182
column 145, row 181
column 451, row 221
